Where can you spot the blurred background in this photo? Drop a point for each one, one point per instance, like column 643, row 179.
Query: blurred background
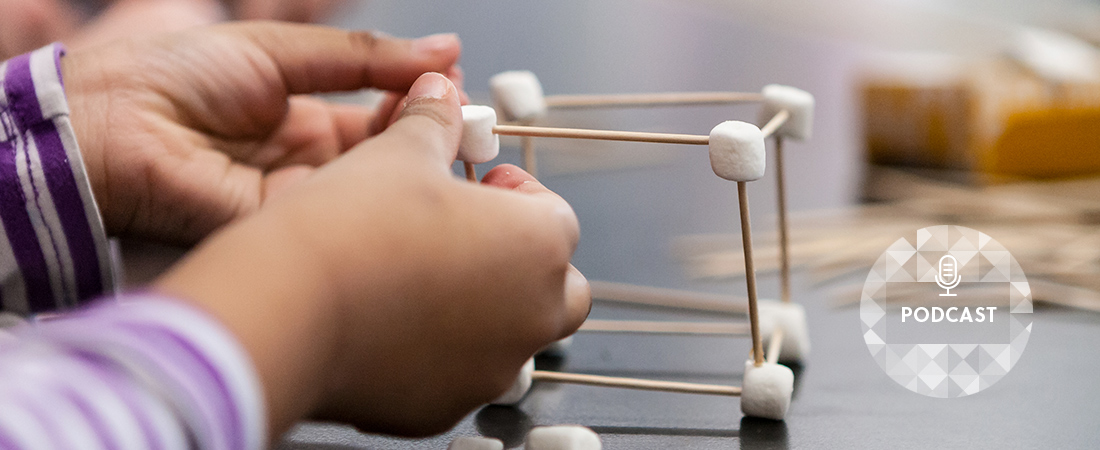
column 981, row 113
column 970, row 112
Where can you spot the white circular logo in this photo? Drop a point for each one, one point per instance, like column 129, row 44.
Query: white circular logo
column 946, row 313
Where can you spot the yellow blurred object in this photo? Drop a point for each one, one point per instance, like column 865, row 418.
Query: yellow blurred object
column 1047, row 143
column 992, row 117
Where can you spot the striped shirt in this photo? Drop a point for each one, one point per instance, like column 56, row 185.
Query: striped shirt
column 145, row 372
column 55, row 255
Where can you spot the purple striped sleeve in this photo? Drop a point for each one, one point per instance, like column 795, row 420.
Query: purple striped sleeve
column 148, row 373
column 53, row 248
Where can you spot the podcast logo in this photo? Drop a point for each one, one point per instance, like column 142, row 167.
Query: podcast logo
column 946, row 312
column 949, row 270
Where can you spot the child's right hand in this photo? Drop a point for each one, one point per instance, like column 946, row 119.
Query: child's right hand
column 384, row 291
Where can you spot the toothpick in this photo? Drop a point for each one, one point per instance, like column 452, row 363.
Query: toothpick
column 635, row 383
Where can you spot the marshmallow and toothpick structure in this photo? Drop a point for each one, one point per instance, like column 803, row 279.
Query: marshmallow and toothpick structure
column 476, row 147
column 635, row 383
column 646, row 100
column 799, row 106
column 519, row 95
column 737, row 154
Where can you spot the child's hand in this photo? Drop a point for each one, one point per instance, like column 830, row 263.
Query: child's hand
column 28, row 24
column 386, row 292
column 182, row 133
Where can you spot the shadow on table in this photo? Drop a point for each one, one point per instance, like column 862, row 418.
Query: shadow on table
column 506, row 423
column 511, row 426
column 658, row 431
column 761, row 434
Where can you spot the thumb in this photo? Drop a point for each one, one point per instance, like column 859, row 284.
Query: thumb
column 430, row 124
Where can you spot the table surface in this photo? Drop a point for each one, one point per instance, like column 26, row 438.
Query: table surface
column 631, row 206
column 842, row 398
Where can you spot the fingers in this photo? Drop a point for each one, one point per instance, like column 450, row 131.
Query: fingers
column 458, row 77
column 320, row 59
column 352, row 123
column 313, row 133
column 389, row 110
column 510, row 177
column 28, row 24
column 578, row 301
column 578, row 296
column 279, row 181
column 287, row 10
column 387, row 113
column 141, row 19
column 430, row 123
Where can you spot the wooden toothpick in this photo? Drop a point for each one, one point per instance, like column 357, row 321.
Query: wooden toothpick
column 784, row 246
column 775, row 344
column 527, row 146
column 776, row 121
column 769, row 129
column 658, row 99
column 530, row 163
column 750, row 273
column 635, row 383
column 606, row 135
column 471, row 172
column 664, row 327
column 666, row 298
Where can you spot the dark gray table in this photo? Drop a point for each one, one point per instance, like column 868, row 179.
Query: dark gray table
column 1051, row 399
column 842, row 398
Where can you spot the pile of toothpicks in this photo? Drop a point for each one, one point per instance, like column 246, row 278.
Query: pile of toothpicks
column 1052, row 229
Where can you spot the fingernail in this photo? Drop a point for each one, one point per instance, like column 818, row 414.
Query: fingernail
column 430, row 85
column 577, row 288
column 431, row 44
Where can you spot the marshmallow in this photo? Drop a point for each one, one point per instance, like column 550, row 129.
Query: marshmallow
column 737, row 151
column 791, row 317
column 766, row 390
column 523, row 383
column 478, row 144
column 475, row 443
column 563, row 437
column 518, row 95
column 558, row 347
column 797, row 102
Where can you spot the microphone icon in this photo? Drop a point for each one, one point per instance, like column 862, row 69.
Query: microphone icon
column 949, row 270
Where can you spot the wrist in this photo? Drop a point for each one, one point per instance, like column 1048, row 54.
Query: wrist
column 260, row 284
column 87, row 122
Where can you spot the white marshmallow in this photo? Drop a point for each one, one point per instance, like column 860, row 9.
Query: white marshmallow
column 791, row 317
column 766, row 390
column 797, row 102
column 523, row 384
column 475, row 443
column 478, row 144
column 558, row 347
column 563, row 437
column 518, row 95
column 737, row 151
